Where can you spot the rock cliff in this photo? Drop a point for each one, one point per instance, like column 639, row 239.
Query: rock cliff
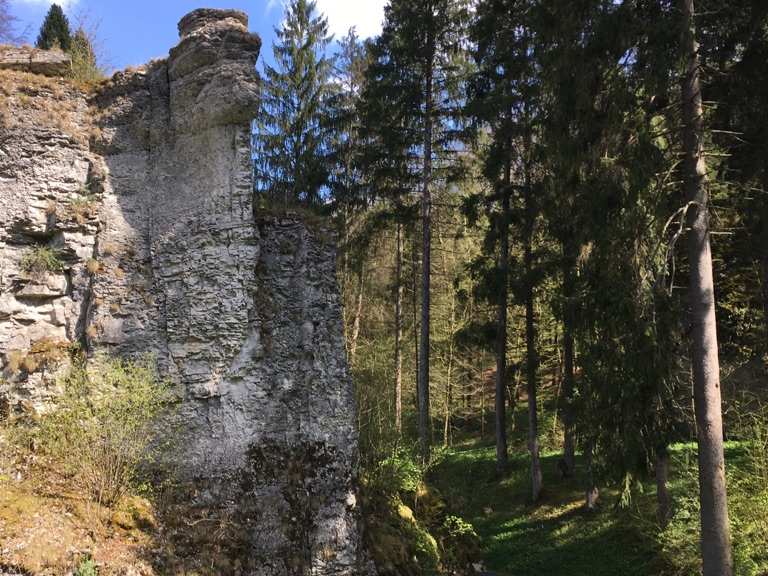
column 129, row 226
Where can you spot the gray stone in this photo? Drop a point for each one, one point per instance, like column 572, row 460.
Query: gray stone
column 241, row 309
column 27, row 59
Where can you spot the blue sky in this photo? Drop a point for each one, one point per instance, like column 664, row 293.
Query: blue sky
column 133, row 31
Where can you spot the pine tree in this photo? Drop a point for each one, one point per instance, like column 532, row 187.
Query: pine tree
column 715, row 529
column 416, row 54
column 55, row 33
column 291, row 140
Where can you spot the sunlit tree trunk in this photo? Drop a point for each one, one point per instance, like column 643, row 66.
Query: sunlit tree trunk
column 425, row 428
column 399, row 331
column 715, row 531
column 356, row 320
column 530, row 333
column 501, row 326
column 569, row 445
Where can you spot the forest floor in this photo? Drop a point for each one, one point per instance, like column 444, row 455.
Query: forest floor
column 559, row 536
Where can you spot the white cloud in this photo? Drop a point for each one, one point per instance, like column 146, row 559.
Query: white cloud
column 366, row 16
column 63, row 3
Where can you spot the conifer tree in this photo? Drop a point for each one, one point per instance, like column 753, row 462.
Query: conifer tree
column 417, row 52
column 715, row 528
column 291, row 139
column 55, row 32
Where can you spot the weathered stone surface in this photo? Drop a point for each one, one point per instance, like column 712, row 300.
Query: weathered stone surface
column 34, row 60
column 163, row 251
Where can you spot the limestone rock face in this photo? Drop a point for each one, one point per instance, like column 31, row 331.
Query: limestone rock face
column 160, row 249
column 27, row 59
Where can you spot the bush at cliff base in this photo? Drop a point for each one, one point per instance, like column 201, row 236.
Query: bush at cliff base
column 105, row 429
column 407, row 529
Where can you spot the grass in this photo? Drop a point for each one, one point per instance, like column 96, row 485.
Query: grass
column 555, row 537
column 559, row 537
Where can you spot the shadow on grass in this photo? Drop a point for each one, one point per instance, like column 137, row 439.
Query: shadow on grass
column 555, row 537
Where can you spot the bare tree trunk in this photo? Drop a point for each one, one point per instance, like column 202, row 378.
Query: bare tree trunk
column 425, row 428
column 530, row 337
column 592, row 492
column 765, row 290
column 449, row 374
column 449, row 391
column 399, row 331
column 569, row 445
column 501, row 327
column 356, row 320
column 715, row 531
column 663, row 497
column 414, row 311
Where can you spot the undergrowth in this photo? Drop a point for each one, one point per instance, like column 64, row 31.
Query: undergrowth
column 105, row 429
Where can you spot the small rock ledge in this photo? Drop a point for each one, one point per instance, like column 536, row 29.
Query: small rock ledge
column 35, row 61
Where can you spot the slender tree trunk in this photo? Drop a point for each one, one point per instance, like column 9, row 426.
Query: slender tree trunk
column 449, row 372
column 414, row 309
column 501, row 327
column 399, row 331
column 663, row 497
column 569, row 445
column 715, row 531
column 425, row 428
column 592, row 492
column 765, row 290
column 530, row 337
column 449, row 388
column 356, row 320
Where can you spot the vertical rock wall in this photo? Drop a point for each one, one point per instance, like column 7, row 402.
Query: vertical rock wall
column 241, row 309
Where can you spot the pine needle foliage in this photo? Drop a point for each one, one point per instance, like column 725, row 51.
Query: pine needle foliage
column 55, row 31
column 290, row 140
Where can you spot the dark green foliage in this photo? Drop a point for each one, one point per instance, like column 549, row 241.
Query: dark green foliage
column 54, row 32
column 291, row 141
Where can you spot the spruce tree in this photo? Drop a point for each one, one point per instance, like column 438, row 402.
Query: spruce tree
column 417, row 59
column 291, row 140
column 55, row 33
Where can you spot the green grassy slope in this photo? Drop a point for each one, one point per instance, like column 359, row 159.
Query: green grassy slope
column 559, row 537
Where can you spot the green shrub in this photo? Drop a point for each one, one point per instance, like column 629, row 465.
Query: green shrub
column 86, row 567
column 41, row 259
column 105, row 428
column 85, row 67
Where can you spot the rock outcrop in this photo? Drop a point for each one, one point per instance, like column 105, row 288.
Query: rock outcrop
column 34, row 60
column 136, row 232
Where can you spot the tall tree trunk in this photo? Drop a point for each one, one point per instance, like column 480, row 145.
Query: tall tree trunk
column 530, row 334
column 425, row 428
column 358, row 314
column 414, row 310
column 501, row 327
column 451, row 350
column 449, row 378
column 569, row 445
column 663, row 497
column 592, row 492
column 715, row 531
column 765, row 291
column 399, row 331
